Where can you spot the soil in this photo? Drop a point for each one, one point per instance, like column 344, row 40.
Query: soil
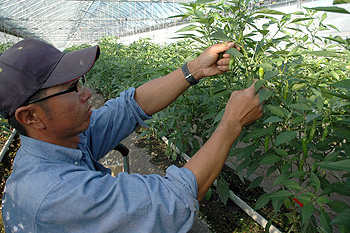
column 6, row 168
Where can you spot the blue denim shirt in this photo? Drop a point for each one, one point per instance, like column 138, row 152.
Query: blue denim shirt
column 58, row 189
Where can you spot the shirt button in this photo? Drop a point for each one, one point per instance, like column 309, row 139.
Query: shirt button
column 76, row 162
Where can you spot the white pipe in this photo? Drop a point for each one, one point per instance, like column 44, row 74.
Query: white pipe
column 252, row 213
column 244, row 206
column 7, row 144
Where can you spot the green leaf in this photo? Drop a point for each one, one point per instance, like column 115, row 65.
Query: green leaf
column 208, row 194
column 269, row 12
column 259, row 132
column 223, row 190
column 326, row 93
column 311, row 117
column 188, row 28
column 315, row 180
column 199, row 14
column 264, row 94
column 342, row 84
column 326, row 222
column 272, row 119
column 270, row 159
column 297, row 173
column 343, row 165
column 258, row 84
column 337, row 39
column 220, row 35
column 244, row 152
column 335, row 2
column 256, row 182
column 262, row 201
column 219, row 116
column 283, row 177
column 292, row 184
column 322, row 53
column 340, row 188
column 281, row 195
column 343, row 218
column 270, row 74
column 338, row 206
column 280, row 151
column 300, row 106
column 304, row 199
column 234, row 52
column 277, row 110
column 285, row 137
column 306, row 212
column 333, row 9
column 300, row 19
column 324, row 200
column 293, row 51
column 266, row 66
column 144, row 133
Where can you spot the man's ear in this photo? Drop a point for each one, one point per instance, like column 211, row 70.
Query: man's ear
column 29, row 116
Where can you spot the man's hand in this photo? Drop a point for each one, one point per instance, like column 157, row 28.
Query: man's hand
column 207, row 64
column 242, row 108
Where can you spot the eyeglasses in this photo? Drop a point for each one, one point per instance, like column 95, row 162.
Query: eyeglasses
column 77, row 86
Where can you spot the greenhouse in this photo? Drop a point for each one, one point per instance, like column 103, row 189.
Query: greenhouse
column 175, row 116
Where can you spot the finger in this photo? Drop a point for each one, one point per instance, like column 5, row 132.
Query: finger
column 251, row 89
column 223, row 47
column 223, row 61
column 237, row 47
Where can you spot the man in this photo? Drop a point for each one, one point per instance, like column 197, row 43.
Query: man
column 57, row 185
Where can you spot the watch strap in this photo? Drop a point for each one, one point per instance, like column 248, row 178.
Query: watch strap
column 188, row 76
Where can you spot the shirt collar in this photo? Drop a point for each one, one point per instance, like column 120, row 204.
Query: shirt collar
column 50, row 151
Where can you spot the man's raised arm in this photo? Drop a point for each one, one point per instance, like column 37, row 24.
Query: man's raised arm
column 157, row 94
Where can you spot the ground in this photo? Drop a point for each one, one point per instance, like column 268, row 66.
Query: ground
column 5, row 170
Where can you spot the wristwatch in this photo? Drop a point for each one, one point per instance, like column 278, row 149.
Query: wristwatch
column 188, row 76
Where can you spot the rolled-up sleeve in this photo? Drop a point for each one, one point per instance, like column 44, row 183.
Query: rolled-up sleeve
column 113, row 122
column 127, row 203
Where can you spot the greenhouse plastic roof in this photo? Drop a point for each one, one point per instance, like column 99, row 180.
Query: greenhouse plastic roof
column 67, row 22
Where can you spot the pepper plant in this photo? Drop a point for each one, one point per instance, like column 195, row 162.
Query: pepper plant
column 304, row 136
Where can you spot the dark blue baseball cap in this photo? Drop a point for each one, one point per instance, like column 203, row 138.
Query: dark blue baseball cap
column 32, row 65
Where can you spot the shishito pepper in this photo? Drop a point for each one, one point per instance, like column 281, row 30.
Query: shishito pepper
column 266, row 143
column 230, row 64
column 312, row 132
column 261, row 73
column 324, row 134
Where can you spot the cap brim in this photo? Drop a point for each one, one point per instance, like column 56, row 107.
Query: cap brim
column 72, row 66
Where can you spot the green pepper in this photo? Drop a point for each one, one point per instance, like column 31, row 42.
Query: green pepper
column 261, row 73
column 312, row 132
column 266, row 143
column 230, row 64
column 324, row 134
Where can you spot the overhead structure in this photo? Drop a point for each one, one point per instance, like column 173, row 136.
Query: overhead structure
column 67, row 22
column 64, row 23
